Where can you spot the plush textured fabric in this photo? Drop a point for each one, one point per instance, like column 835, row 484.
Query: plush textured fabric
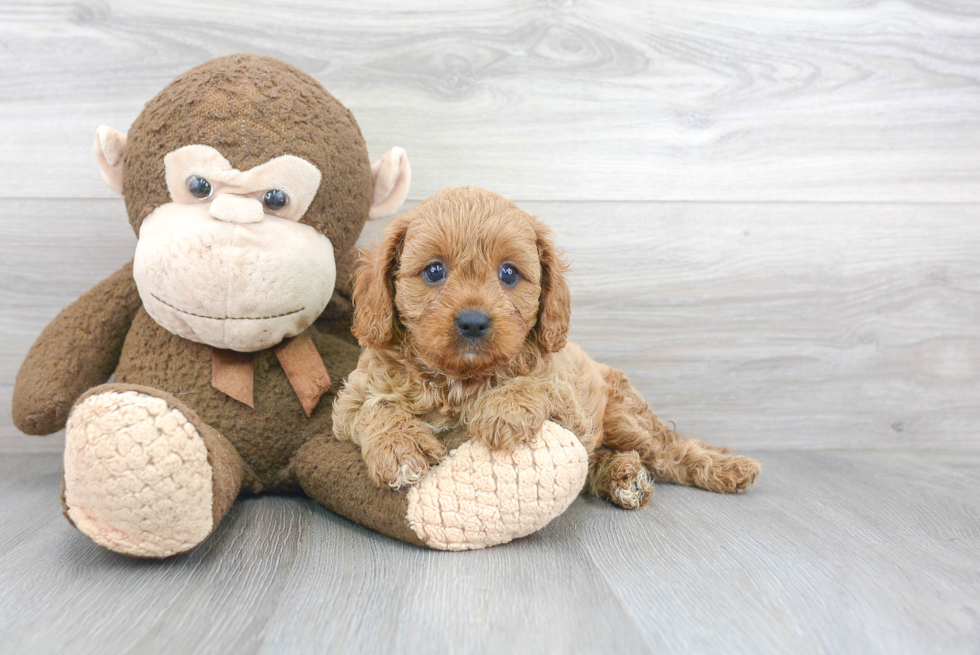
column 122, row 485
column 305, row 370
column 392, row 176
column 252, row 109
column 118, row 442
column 233, row 374
column 108, row 149
column 298, row 178
column 320, row 466
column 242, row 287
column 476, row 498
column 471, row 500
column 275, row 447
column 76, row 351
column 266, row 436
column 137, row 475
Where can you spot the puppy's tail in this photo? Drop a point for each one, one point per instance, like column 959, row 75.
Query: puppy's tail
column 696, row 463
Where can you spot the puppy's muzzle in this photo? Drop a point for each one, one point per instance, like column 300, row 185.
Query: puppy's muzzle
column 473, row 324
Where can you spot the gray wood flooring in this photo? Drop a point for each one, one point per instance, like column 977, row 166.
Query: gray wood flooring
column 833, row 552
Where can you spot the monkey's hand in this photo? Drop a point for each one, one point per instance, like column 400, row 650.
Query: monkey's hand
column 78, row 350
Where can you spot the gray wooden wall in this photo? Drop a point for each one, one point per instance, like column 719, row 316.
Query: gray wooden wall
column 772, row 208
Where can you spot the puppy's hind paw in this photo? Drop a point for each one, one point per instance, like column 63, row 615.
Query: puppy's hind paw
column 634, row 493
column 621, row 478
column 397, row 461
column 732, row 474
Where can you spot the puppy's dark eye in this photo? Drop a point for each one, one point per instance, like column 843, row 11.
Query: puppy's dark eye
column 508, row 275
column 199, row 187
column 434, row 272
column 275, row 200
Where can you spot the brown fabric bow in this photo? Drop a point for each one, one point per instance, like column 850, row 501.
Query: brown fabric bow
column 233, row 373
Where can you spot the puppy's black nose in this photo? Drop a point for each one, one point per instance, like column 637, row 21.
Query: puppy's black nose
column 473, row 325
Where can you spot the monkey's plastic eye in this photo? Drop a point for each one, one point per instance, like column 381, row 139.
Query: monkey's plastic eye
column 199, row 187
column 434, row 272
column 508, row 274
column 275, row 200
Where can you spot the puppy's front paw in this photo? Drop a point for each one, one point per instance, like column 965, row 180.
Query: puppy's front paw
column 505, row 425
column 398, row 460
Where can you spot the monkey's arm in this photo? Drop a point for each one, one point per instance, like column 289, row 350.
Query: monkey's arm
column 78, row 350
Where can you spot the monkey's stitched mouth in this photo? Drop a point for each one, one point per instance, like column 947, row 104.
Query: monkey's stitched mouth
column 227, row 318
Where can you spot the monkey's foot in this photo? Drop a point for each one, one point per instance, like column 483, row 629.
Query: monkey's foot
column 474, row 498
column 137, row 479
column 478, row 497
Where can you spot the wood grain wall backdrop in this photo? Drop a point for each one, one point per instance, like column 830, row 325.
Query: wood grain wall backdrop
column 760, row 325
column 772, row 208
column 554, row 100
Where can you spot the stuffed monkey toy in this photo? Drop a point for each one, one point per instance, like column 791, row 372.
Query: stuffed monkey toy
column 247, row 185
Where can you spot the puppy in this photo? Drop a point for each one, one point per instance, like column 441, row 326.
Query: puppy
column 463, row 313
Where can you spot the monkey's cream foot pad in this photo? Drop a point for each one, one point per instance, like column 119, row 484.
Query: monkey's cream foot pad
column 137, row 478
column 477, row 498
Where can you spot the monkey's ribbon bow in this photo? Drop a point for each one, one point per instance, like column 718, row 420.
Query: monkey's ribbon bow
column 233, row 373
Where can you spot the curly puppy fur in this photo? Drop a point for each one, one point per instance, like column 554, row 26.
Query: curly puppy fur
column 421, row 376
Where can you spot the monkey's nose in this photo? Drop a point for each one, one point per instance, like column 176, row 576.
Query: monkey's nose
column 236, row 209
column 472, row 324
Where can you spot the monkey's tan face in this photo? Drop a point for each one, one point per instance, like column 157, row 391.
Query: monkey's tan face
column 227, row 263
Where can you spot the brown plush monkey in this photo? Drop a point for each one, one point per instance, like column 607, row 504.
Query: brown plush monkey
column 247, row 184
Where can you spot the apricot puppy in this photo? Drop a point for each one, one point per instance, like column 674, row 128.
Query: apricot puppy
column 463, row 313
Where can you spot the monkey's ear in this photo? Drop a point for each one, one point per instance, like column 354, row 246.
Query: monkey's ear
column 392, row 175
column 109, row 147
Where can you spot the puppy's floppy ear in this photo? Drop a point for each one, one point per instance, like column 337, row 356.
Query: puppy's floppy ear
column 374, row 289
column 556, row 303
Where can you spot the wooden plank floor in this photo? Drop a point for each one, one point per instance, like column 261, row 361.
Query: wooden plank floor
column 834, row 551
